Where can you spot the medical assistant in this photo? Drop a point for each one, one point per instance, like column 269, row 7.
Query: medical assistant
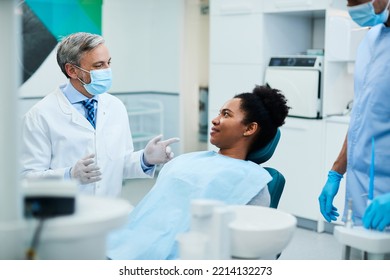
column 165, row 211
column 370, row 117
column 55, row 135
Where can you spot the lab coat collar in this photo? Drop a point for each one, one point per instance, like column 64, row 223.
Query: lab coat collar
column 68, row 109
column 77, row 118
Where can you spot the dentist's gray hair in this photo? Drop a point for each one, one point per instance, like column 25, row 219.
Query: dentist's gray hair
column 74, row 46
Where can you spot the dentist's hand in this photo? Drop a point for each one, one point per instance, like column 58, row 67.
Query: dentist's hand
column 86, row 171
column 157, row 151
column 377, row 214
column 329, row 191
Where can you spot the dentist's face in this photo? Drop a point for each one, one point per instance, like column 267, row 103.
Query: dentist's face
column 95, row 59
column 228, row 128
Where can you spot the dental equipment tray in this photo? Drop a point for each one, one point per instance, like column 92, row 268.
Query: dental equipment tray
column 363, row 239
column 49, row 198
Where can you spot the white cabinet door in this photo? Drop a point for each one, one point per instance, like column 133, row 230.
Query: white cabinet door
column 236, row 38
column 236, row 31
column 226, row 80
column 294, row 5
column 234, row 7
column 300, row 158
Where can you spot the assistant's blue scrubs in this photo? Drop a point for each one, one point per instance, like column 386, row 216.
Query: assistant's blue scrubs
column 370, row 117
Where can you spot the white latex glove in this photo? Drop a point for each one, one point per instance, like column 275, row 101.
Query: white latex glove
column 158, row 152
column 86, row 171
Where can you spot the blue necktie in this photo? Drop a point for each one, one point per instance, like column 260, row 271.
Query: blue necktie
column 89, row 104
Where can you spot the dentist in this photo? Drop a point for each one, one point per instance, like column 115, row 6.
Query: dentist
column 81, row 132
column 369, row 119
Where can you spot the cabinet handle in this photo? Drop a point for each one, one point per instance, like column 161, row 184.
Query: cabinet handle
column 235, row 9
column 290, row 4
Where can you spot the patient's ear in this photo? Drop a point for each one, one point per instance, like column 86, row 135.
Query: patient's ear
column 251, row 129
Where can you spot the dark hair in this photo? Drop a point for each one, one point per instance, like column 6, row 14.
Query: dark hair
column 74, row 46
column 268, row 108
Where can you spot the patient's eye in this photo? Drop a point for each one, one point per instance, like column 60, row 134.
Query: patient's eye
column 225, row 113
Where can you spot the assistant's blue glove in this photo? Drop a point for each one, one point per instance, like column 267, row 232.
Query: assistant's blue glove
column 377, row 214
column 329, row 191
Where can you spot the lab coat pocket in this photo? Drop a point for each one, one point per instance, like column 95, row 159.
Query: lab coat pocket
column 114, row 142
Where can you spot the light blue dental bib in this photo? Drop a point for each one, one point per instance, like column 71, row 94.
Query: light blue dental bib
column 165, row 211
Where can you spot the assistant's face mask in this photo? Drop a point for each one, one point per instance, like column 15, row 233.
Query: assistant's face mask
column 365, row 16
column 101, row 80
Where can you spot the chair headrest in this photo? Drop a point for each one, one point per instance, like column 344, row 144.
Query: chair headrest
column 265, row 153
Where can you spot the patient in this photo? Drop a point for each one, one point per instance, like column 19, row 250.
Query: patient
column 244, row 124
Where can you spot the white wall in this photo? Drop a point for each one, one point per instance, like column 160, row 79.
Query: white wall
column 144, row 41
column 47, row 77
column 126, row 28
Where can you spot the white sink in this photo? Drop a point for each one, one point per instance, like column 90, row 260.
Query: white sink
column 260, row 232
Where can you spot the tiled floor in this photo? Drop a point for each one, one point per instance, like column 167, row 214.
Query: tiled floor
column 305, row 244
column 310, row 245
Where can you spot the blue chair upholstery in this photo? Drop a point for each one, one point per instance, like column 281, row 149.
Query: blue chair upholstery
column 265, row 153
column 276, row 186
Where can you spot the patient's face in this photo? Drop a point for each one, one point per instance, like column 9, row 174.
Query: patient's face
column 227, row 127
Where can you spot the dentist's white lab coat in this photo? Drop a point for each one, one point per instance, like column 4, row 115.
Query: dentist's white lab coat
column 55, row 136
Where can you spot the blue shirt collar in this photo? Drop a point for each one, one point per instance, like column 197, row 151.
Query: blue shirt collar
column 73, row 95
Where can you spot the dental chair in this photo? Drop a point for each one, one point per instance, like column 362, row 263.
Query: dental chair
column 276, row 186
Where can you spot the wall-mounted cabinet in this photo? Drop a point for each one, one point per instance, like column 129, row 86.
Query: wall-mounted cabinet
column 296, row 32
column 226, row 34
column 342, row 39
column 231, row 43
column 226, row 80
column 289, row 33
column 236, row 53
column 278, row 6
column 234, row 7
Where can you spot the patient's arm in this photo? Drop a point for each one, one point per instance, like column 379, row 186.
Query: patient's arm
column 262, row 198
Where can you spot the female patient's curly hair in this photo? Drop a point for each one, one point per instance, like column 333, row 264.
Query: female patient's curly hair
column 267, row 107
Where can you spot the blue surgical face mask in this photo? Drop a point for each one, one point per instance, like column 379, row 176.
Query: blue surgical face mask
column 101, row 80
column 365, row 16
